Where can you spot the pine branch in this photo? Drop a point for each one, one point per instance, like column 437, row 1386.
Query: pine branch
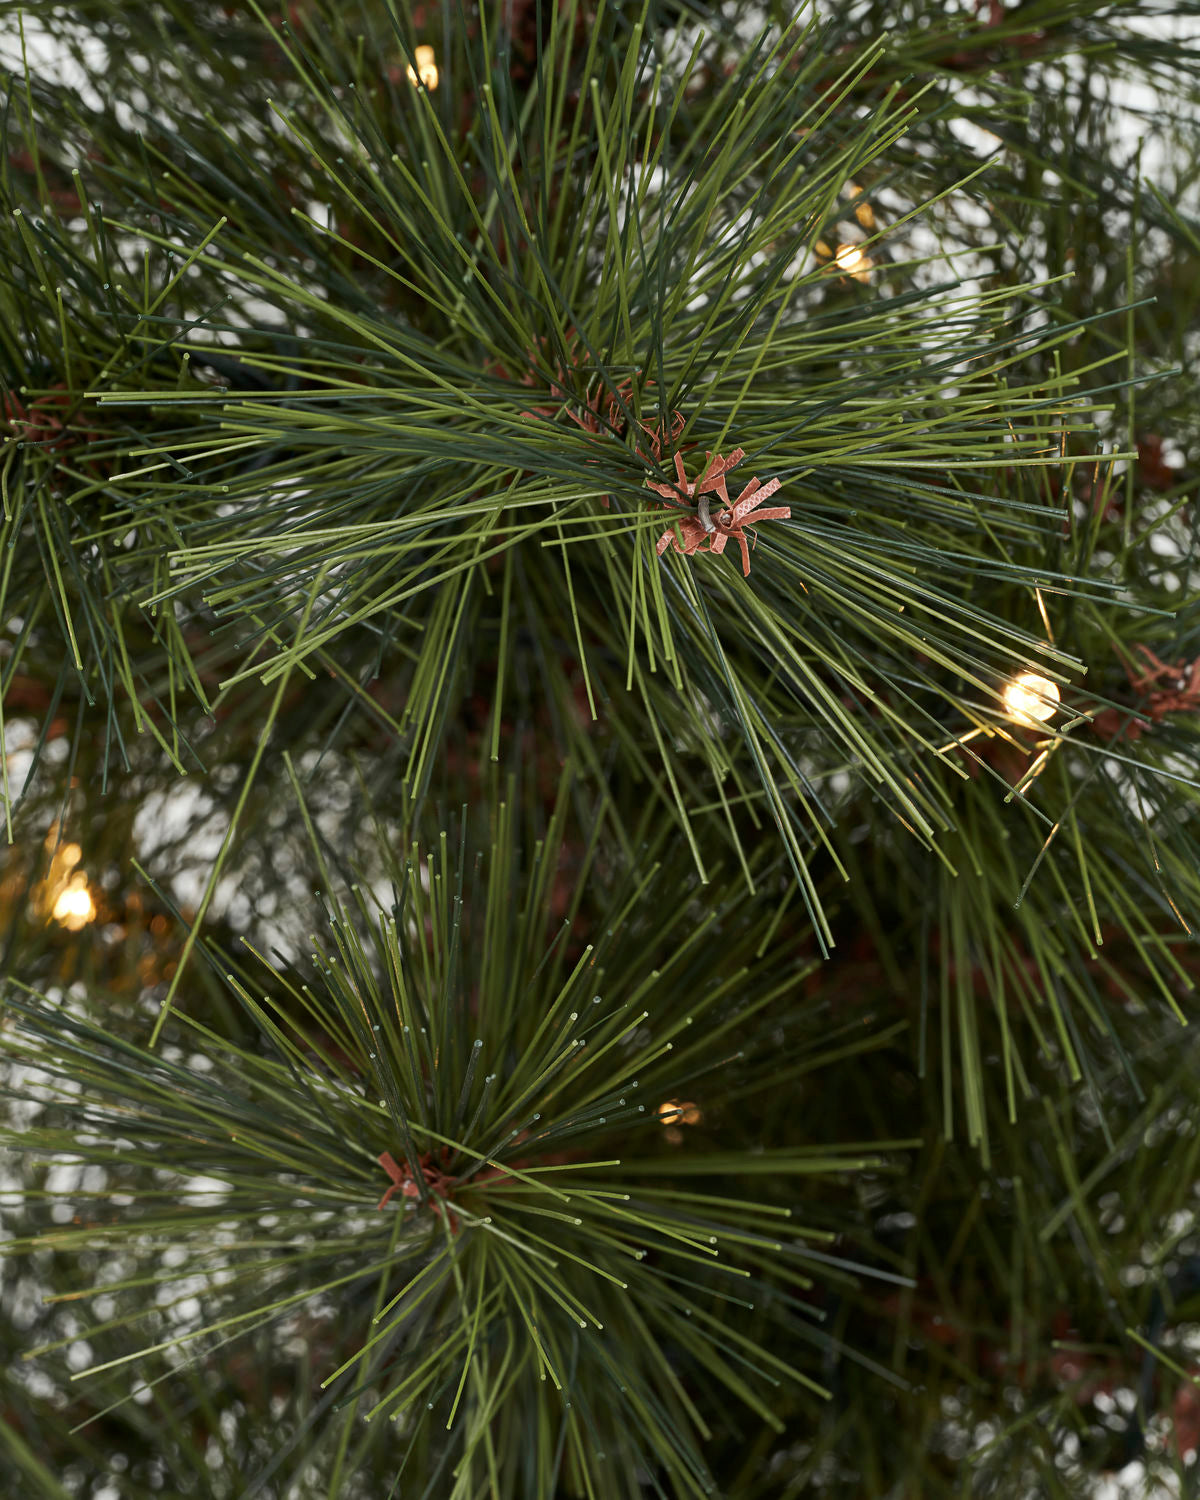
column 533, row 1256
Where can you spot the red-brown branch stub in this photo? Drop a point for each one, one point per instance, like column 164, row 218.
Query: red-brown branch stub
column 703, row 531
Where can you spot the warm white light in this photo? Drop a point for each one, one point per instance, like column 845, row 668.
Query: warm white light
column 679, row 1112
column 426, row 69
column 853, row 262
column 676, row 1112
column 862, row 211
column 74, row 906
column 63, row 895
column 1031, row 699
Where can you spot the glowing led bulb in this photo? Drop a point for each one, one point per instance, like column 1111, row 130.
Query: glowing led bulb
column 862, row 211
column 679, row 1112
column 1031, row 699
column 674, row 1113
column 426, row 70
column 74, row 906
column 853, row 262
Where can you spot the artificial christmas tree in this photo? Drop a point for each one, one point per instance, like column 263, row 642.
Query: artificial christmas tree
column 599, row 703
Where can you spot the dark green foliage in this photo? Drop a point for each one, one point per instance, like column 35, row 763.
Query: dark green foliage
column 536, row 1294
column 331, row 601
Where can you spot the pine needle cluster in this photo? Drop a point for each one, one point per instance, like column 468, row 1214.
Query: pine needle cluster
column 601, row 663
